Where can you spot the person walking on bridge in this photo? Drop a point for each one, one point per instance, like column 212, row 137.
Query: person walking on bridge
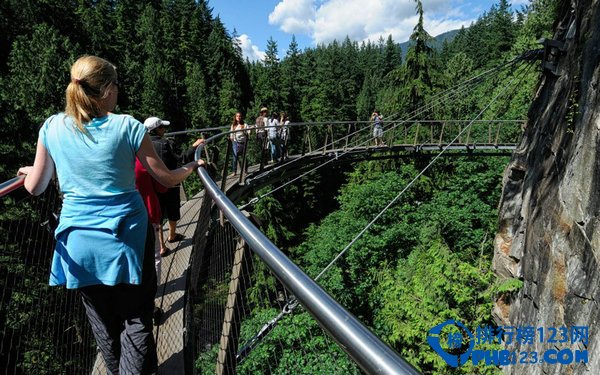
column 104, row 244
column 285, row 135
column 165, row 149
column 238, row 136
column 260, row 125
column 274, row 136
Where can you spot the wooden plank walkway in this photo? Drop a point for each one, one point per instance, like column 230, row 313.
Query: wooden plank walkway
column 169, row 335
column 170, row 296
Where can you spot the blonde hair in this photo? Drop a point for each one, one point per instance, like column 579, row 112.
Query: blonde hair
column 90, row 78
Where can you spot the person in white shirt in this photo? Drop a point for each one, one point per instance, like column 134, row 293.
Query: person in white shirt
column 274, row 137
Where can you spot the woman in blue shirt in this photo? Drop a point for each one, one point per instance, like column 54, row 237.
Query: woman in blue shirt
column 101, row 240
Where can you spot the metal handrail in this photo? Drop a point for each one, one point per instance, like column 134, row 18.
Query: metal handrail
column 368, row 351
column 11, row 185
column 349, row 122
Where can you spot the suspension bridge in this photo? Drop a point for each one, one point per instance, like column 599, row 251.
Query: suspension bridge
column 208, row 285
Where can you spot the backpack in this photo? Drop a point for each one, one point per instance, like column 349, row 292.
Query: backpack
column 260, row 124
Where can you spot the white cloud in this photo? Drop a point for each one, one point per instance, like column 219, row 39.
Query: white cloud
column 514, row 3
column 294, row 16
column 439, row 26
column 249, row 50
column 361, row 20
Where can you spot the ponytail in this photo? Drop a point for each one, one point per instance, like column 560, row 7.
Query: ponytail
column 90, row 78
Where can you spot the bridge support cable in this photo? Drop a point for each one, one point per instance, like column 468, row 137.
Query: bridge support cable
column 409, row 185
column 291, row 305
column 367, row 350
column 440, row 98
column 436, row 99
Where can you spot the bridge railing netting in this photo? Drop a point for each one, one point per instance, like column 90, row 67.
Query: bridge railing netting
column 43, row 330
column 240, row 318
column 237, row 303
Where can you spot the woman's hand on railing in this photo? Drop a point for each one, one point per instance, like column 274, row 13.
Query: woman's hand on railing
column 194, row 165
column 197, row 164
column 198, row 142
column 23, row 171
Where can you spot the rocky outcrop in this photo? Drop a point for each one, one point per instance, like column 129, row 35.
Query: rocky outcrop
column 549, row 233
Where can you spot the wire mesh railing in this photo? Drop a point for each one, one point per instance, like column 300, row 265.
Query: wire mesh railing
column 247, row 293
column 237, row 296
column 237, row 329
column 260, row 307
column 250, row 311
column 43, row 330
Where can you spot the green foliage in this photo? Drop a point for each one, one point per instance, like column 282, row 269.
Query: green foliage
column 272, row 213
column 422, row 262
column 432, row 285
column 206, row 363
column 40, row 358
column 428, row 252
column 263, row 281
column 297, row 345
column 509, row 286
column 573, row 109
column 539, row 16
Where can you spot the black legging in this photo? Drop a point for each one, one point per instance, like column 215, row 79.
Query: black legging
column 121, row 319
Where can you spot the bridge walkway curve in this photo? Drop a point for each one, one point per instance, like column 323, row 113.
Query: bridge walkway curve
column 170, row 335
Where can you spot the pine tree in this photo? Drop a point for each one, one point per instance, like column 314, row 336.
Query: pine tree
column 291, row 81
column 417, row 71
column 269, row 82
column 155, row 73
column 38, row 70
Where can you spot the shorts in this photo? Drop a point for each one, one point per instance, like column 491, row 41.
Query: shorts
column 170, row 204
column 377, row 132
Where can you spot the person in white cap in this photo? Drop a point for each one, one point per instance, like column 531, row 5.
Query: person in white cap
column 170, row 201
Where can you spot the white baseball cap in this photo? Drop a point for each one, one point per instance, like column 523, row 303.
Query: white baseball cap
column 152, row 123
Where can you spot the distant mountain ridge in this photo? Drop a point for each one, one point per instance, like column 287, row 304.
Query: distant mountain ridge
column 436, row 43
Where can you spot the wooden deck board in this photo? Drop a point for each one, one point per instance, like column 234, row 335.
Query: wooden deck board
column 169, row 335
column 170, row 296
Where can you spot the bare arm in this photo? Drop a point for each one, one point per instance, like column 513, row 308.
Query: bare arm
column 38, row 176
column 159, row 170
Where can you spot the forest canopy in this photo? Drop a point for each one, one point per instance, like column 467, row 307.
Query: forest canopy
column 427, row 260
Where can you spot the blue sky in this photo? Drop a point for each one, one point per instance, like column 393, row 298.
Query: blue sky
column 321, row 21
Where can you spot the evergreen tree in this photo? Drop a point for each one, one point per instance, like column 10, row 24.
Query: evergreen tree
column 392, row 56
column 291, row 81
column 129, row 64
column 268, row 81
column 417, row 75
column 38, row 70
column 197, row 103
column 156, row 73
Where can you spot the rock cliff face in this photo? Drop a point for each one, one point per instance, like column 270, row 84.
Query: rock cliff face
column 549, row 233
